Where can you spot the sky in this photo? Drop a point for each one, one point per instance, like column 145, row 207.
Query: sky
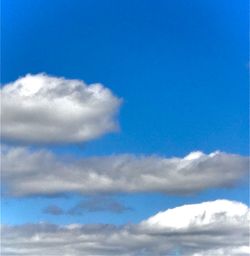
column 116, row 111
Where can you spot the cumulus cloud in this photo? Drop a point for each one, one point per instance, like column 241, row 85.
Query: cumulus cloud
column 45, row 109
column 197, row 215
column 215, row 228
column 26, row 172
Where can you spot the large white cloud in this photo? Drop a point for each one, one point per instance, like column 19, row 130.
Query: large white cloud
column 45, row 109
column 215, row 228
column 27, row 172
column 198, row 215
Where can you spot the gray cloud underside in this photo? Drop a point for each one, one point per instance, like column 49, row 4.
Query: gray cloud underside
column 26, row 172
column 93, row 204
column 223, row 232
column 46, row 109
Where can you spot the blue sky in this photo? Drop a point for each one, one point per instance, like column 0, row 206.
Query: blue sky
column 180, row 67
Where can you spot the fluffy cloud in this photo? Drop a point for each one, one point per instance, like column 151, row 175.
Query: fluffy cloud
column 45, row 109
column 27, row 172
column 215, row 228
column 197, row 215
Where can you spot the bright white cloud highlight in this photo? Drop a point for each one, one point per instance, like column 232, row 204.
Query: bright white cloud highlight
column 27, row 172
column 198, row 215
column 45, row 109
column 224, row 232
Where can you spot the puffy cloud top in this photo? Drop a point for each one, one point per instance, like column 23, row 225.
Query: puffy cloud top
column 198, row 215
column 45, row 109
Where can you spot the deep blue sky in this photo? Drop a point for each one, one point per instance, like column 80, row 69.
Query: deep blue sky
column 181, row 68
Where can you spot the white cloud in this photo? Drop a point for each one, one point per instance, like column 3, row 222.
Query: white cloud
column 197, row 215
column 45, row 109
column 27, row 172
column 216, row 228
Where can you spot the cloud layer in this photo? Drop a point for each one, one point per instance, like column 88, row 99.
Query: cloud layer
column 216, row 228
column 45, row 109
column 26, row 172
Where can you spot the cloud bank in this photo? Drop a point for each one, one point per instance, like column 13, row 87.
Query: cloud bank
column 45, row 109
column 216, row 228
column 26, row 172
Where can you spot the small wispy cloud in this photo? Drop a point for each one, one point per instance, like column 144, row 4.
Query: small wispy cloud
column 98, row 204
column 53, row 210
column 92, row 204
